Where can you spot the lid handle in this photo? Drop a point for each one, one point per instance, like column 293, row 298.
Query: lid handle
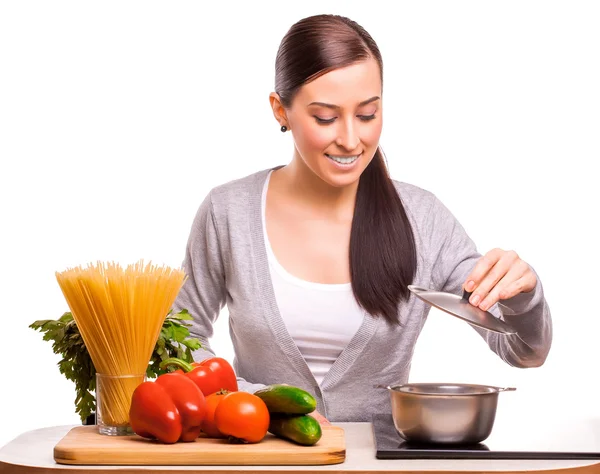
column 466, row 295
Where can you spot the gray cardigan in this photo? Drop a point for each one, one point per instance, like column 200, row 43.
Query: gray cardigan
column 226, row 263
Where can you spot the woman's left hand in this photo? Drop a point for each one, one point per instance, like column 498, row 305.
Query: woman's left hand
column 499, row 275
column 320, row 418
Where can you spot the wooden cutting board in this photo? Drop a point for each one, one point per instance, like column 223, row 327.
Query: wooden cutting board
column 84, row 445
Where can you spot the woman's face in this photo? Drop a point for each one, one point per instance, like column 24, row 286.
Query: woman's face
column 336, row 122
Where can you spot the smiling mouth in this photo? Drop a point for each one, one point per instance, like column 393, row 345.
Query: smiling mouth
column 343, row 159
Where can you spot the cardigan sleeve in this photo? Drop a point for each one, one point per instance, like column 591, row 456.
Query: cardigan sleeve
column 454, row 256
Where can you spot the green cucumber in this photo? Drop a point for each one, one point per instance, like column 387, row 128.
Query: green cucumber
column 287, row 399
column 301, row 429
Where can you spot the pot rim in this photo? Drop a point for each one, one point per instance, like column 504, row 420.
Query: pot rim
column 479, row 389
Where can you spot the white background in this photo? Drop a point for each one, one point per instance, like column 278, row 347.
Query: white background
column 116, row 119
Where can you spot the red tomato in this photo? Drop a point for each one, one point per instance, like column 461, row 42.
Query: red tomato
column 243, row 416
column 208, row 424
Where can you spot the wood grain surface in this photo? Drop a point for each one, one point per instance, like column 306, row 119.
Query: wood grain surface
column 84, row 446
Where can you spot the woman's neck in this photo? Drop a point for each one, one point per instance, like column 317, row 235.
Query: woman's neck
column 300, row 183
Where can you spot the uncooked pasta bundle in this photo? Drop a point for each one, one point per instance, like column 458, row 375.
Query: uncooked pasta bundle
column 119, row 312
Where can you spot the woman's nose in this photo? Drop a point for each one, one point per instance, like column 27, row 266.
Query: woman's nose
column 348, row 138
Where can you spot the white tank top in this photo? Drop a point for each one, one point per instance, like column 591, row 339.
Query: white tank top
column 321, row 318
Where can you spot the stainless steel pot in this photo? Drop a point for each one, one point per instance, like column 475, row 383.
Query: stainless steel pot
column 449, row 413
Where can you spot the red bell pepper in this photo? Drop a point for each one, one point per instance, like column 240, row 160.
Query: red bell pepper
column 170, row 409
column 210, row 375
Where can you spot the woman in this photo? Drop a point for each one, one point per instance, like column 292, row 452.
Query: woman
column 313, row 259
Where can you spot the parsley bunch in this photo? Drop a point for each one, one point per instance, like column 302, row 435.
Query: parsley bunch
column 76, row 364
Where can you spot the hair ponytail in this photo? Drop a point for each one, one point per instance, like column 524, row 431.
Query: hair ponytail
column 383, row 256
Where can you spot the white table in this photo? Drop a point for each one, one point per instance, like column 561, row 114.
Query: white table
column 32, row 452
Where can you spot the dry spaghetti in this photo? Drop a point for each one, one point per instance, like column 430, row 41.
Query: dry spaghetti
column 119, row 312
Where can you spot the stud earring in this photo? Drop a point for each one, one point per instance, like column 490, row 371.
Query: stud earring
column 283, row 128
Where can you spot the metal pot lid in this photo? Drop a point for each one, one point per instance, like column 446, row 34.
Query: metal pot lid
column 460, row 307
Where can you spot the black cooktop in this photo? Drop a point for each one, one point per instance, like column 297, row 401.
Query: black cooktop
column 545, row 439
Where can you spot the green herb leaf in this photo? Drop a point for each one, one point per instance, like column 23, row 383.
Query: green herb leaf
column 183, row 315
column 76, row 364
column 192, row 343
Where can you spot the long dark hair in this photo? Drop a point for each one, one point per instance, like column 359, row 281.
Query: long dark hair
column 383, row 257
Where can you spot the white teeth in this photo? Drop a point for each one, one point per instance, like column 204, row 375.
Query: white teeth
column 345, row 160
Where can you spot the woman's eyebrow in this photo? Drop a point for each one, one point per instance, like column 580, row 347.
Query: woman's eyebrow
column 332, row 106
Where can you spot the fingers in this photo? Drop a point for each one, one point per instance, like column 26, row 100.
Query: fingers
column 320, row 418
column 498, row 275
column 514, row 288
column 504, row 287
column 484, row 265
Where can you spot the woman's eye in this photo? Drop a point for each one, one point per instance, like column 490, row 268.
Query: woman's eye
column 364, row 118
column 322, row 120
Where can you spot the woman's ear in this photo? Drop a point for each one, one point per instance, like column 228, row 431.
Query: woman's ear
column 278, row 109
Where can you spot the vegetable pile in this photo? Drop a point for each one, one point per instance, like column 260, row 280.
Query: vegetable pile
column 204, row 398
column 187, row 399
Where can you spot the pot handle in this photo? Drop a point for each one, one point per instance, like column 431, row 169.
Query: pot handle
column 506, row 389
